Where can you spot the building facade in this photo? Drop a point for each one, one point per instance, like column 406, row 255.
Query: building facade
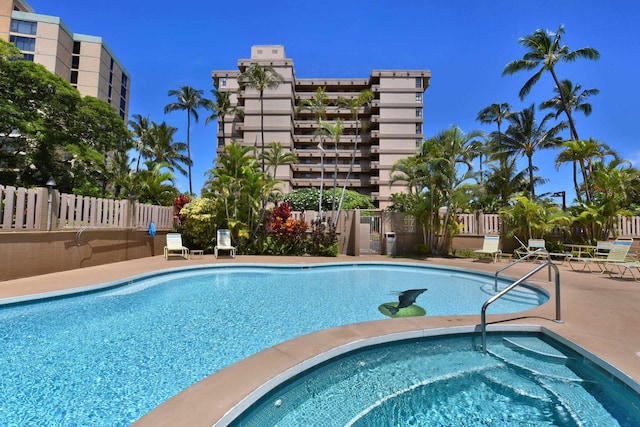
column 86, row 62
column 392, row 129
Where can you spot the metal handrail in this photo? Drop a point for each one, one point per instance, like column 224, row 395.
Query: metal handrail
column 548, row 263
column 537, row 252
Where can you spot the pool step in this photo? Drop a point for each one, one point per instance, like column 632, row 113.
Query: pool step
column 537, row 363
column 580, row 403
column 537, row 348
column 520, row 385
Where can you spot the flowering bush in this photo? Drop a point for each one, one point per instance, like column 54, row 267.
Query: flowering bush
column 285, row 235
column 199, row 223
column 178, row 204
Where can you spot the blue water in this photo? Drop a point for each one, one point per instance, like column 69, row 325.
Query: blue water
column 106, row 358
column 524, row 380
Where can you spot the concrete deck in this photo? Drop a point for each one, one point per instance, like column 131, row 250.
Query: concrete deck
column 600, row 314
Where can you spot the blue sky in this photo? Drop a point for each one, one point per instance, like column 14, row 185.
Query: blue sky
column 465, row 44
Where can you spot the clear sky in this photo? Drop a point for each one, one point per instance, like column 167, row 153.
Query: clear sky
column 465, row 43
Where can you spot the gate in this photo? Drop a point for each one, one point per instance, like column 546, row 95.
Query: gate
column 370, row 233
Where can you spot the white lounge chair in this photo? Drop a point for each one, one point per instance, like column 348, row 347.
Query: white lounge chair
column 603, row 247
column 533, row 245
column 175, row 246
column 617, row 254
column 623, row 268
column 490, row 246
column 223, row 242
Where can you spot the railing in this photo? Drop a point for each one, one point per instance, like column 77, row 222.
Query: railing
column 547, row 263
column 42, row 209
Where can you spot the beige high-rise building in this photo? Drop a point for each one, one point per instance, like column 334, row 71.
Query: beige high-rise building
column 84, row 61
column 393, row 119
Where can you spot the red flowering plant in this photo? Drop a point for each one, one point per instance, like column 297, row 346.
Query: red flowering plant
column 287, row 235
column 178, row 204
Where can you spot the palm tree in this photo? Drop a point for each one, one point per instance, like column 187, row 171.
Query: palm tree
column 525, row 136
column 575, row 99
column 156, row 184
column 276, row 156
column 140, row 126
column 504, row 180
column 583, row 152
column 162, row 149
column 317, row 105
column 495, row 113
column 334, row 131
column 545, row 51
column 354, row 105
column 440, row 175
column 260, row 77
column 120, row 167
column 221, row 108
column 189, row 100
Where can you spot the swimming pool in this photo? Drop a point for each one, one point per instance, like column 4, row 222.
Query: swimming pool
column 524, row 380
column 106, row 358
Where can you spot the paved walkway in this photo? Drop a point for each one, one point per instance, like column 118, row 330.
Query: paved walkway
column 600, row 314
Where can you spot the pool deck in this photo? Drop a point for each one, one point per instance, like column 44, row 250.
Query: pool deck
column 599, row 313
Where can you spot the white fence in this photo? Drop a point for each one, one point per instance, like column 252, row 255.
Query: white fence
column 41, row 209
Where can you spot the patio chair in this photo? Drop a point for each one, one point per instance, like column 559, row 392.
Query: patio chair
column 623, row 268
column 223, row 242
column 175, row 247
column 490, row 246
column 617, row 254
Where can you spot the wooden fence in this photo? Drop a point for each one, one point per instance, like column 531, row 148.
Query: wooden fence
column 41, row 209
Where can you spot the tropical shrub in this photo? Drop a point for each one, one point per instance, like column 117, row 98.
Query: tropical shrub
column 286, row 236
column 324, row 240
column 306, row 199
column 199, row 223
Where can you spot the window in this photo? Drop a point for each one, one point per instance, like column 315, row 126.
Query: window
column 76, row 48
column 75, row 62
column 418, row 112
column 418, row 128
column 123, row 92
column 125, row 80
column 418, row 142
column 223, row 82
column 418, row 96
column 23, row 27
column 418, row 82
column 28, row 56
column 74, row 77
column 24, row 43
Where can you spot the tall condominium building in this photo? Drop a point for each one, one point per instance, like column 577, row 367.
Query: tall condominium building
column 393, row 123
column 84, row 61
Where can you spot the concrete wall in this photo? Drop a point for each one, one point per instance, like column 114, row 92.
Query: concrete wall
column 24, row 254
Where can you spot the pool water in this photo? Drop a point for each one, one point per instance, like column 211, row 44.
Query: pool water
column 106, row 358
column 523, row 380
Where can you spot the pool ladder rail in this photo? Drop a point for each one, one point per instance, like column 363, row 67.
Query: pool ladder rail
column 535, row 254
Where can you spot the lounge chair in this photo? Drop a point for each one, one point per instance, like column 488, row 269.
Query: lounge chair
column 490, row 246
column 532, row 246
column 223, row 242
column 603, row 247
column 175, row 247
column 623, row 268
column 617, row 254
